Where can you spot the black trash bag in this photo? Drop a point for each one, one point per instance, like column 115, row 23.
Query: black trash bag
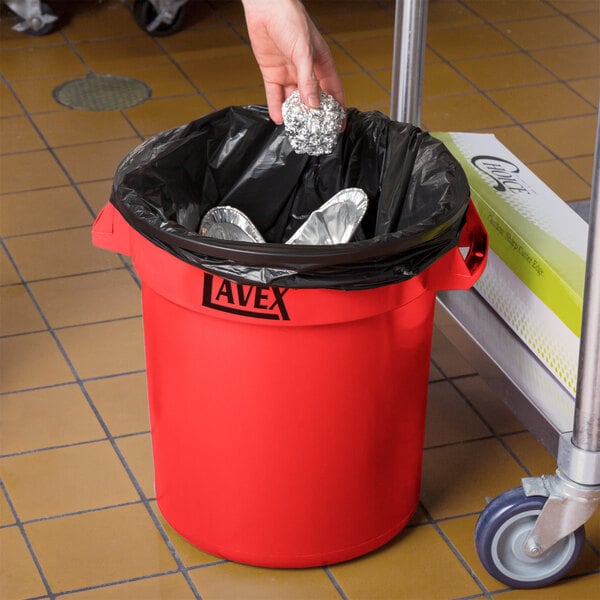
column 418, row 196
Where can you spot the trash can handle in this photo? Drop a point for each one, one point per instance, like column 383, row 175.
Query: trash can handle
column 111, row 232
column 460, row 268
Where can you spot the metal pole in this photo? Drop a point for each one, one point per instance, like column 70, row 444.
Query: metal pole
column 410, row 30
column 586, row 429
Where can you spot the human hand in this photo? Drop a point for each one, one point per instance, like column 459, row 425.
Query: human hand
column 291, row 54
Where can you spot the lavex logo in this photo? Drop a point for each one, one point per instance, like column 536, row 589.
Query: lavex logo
column 503, row 172
column 246, row 300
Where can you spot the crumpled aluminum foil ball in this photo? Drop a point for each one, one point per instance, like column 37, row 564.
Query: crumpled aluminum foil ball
column 312, row 131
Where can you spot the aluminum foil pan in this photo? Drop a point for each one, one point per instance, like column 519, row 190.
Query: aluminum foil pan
column 228, row 223
column 335, row 222
column 312, row 131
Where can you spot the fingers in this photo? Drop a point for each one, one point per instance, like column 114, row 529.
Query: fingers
column 275, row 97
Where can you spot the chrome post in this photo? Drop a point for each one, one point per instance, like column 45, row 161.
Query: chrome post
column 410, row 29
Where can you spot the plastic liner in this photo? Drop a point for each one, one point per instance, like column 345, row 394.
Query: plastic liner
column 418, row 196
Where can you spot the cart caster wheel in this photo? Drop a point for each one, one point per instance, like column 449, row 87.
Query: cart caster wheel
column 47, row 27
column 144, row 13
column 500, row 537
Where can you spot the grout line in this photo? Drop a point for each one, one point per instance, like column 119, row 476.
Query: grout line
column 25, row 537
column 457, row 554
column 335, row 583
column 74, row 444
column 115, row 583
column 73, row 382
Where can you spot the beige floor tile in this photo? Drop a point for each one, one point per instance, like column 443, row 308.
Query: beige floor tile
column 122, row 402
column 165, row 80
column 9, row 107
column 587, row 88
column 91, row 162
column 99, row 547
column 447, row 358
column 30, row 171
column 574, row 62
column 574, row 6
column 59, row 253
column 570, row 589
column 19, row 577
column 137, row 450
column 205, row 44
column 503, row 71
column 8, row 275
column 105, row 348
column 92, row 20
column 18, row 313
column 155, row 116
column 469, row 42
column 566, row 137
column 224, row 72
column 449, row 417
column 361, row 91
column 408, row 567
column 488, row 405
column 508, row 10
column 351, row 19
column 443, row 15
column 559, row 178
column 541, row 102
column 240, row 97
column 88, row 298
column 547, row 32
column 457, row 479
column 434, row 373
column 30, row 361
column 36, row 94
column 462, row 113
column 583, row 166
column 18, row 135
column 343, row 62
column 589, row 20
column 164, row 587
column 532, row 453
column 53, row 416
column 42, row 210
column 231, row 581
column 83, row 127
column 189, row 554
column 440, row 79
column 461, row 533
column 66, row 480
column 6, row 515
column 371, row 53
column 96, row 193
column 113, row 55
column 522, row 144
column 40, row 61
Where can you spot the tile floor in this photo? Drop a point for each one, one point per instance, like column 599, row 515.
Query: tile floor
column 77, row 512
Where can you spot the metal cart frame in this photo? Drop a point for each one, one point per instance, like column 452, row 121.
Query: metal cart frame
column 570, row 430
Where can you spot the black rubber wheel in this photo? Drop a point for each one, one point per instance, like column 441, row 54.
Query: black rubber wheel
column 500, row 537
column 144, row 13
column 48, row 27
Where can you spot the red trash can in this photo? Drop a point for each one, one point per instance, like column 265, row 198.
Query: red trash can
column 287, row 424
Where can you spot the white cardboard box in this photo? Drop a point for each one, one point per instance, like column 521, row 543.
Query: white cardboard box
column 536, row 265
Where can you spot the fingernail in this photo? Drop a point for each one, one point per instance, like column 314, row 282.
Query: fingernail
column 313, row 101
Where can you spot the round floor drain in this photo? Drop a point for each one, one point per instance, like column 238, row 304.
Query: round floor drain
column 102, row 92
